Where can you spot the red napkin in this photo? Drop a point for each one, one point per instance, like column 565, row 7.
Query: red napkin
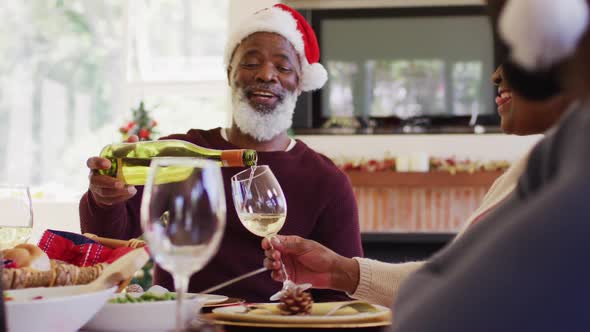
column 77, row 249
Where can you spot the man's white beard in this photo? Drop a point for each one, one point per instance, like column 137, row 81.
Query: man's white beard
column 260, row 125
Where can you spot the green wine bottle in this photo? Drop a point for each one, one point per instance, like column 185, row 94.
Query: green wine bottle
column 130, row 161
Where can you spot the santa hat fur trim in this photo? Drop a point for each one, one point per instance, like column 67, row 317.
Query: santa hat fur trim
column 541, row 33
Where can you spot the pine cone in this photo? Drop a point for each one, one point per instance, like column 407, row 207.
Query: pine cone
column 296, row 302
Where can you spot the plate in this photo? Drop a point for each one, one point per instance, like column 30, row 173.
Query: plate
column 228, row 302
column 210, row 299
column 346, row 315
column 207, row 299
column 148, row 316
column 211, row 319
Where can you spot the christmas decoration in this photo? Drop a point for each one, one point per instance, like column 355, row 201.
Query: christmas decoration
column 451, row 165
column 141, row 125
column 143, row 278
column 296, row 302
column 368, row 165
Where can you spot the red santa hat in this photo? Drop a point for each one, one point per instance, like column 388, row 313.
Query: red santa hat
column 287, row 22
column 541, row 33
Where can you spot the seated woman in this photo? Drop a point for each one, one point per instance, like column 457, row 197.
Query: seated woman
column 521, row 267
column 378, row 282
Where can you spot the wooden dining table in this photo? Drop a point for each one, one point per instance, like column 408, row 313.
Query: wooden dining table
column 210, row 325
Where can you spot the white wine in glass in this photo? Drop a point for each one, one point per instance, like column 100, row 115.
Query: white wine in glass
column 16, row 225
column 183, row 221
column 263, row 224
column 262, row 208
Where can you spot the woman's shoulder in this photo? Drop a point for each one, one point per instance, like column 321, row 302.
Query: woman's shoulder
column 563, row 152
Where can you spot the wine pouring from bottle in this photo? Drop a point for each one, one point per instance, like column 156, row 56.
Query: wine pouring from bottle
column 261, row 206
column 130, row 161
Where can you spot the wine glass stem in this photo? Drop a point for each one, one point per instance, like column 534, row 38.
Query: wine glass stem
column 181, row 286
column 283, row 268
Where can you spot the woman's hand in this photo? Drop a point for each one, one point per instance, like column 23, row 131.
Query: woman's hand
column 307, row 261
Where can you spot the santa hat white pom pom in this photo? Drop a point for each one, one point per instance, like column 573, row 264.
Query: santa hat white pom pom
column 314, row 76
column 541, row 33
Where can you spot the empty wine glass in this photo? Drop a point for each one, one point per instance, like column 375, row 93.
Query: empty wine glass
column 17, row 215
column 183, row 218
column 262, row 209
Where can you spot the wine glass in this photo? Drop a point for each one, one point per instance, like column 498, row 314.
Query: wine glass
column 262, row 209
column 17, row 215
column 183, row 218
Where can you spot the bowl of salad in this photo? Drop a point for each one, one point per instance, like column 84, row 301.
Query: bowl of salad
column 152, row 310
column 63, row 309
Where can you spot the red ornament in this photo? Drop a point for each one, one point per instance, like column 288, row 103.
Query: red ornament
column 389, row 164
column 144, row 133
column 347, row 166
column 372, row 165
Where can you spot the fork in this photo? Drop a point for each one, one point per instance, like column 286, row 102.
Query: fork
column 234, row 280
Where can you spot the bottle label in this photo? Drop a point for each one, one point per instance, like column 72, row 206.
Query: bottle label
column 119, row 171
column 232, row 158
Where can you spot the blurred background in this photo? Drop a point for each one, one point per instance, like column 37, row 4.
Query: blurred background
column 409, row 84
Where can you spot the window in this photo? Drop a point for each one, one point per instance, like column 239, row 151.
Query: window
column 70, row 71
column 392, row 68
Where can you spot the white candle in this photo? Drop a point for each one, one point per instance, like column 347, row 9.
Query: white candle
column 402, row 164
column 419, row 162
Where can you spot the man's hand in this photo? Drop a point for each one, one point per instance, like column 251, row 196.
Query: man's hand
column 309, row 261
column 105, row 189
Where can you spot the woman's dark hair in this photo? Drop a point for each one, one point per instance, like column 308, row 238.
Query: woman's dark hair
column 538, row 85
column 578, row 70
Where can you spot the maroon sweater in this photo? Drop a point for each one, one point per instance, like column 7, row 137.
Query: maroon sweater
column 321, row 207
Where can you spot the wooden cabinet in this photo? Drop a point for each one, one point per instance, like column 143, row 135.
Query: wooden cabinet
column 410, row 216
column 432, row 202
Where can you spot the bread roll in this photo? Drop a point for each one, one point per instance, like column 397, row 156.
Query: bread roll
column 33, row 250
column 7, row 276
column 37, row 278
column 86, row 275
column 25, row 254
column 20, row 256
column 89, row 273
column 20, row 278
column 65, row 274
column 35, row 269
